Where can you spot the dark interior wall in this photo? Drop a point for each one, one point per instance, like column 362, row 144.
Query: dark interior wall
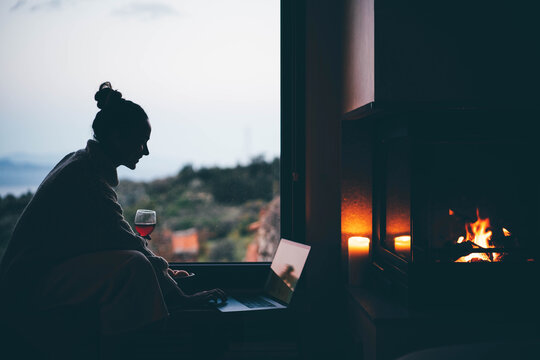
column 473, row 51
column 359, row 58
column 459, row 50
column 323, row 120
column 323, row 111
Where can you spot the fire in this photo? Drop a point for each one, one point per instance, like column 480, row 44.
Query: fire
column 479, row 234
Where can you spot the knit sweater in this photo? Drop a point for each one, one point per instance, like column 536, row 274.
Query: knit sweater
column 75, row 211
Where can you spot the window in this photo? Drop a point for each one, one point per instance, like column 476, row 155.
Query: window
column 208, row 75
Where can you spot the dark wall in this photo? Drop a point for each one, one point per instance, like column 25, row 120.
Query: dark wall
column 445, row 51
column 359, row 50
column 323, row 122
column 458, row 50
column 323, row 110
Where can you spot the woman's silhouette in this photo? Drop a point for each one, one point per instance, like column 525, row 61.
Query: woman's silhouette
column 72, row 247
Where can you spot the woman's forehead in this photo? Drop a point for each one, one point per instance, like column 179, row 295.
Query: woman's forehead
column 144, row 136
column 143, row 130
column 139, row 135
column 148, row 131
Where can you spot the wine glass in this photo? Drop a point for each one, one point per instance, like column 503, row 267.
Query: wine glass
column 145, row 222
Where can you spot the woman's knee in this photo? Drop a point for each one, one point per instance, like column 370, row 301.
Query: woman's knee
column 135, row 272
column 137, row 260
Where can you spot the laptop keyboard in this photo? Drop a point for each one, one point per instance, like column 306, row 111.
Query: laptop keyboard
column 254, row 302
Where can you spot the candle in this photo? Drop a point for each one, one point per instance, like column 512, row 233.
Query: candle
column 402, row 244
column 358, row 258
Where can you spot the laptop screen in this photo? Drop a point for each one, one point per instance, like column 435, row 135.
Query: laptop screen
column 286, row 269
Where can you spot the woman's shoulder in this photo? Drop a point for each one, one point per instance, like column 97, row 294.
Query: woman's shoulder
column 75, row 166
column 80, row 171
column 72, row 163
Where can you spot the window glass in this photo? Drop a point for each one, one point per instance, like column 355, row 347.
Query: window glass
column 208, row 75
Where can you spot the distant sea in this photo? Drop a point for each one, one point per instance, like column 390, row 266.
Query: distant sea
column 20, row 173
column 19, row 177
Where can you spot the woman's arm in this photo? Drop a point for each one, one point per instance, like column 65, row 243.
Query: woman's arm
column 113, row 232
column 116, row 233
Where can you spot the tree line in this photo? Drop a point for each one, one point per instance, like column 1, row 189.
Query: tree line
column 221, row 202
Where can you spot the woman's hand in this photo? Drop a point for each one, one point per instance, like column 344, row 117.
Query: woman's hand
column 179, row 300
column 204, row 297
column 176, row 274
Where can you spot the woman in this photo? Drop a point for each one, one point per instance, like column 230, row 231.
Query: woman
column 72, row 246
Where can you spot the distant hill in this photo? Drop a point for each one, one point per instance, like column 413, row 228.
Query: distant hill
column 45, row 159
column 21, row 173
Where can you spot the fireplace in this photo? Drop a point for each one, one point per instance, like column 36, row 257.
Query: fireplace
column 454, row 200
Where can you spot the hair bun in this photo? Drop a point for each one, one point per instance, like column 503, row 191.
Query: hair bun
column 106, row 96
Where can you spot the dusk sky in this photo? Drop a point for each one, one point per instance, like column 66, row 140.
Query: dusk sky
column 205, row 71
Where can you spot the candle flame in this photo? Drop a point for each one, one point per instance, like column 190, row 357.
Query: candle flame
column 402, row 244
column 403, row 239
column 359, row 241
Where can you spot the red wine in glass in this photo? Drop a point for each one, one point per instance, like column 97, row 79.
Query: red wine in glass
column 145, row 221
column 144, row 229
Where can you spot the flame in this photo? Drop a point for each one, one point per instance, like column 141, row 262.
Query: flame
column 478, row 233
column 497, row 257
column 506, row 232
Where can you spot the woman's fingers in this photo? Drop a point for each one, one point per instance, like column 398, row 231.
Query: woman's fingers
column 181, row 273
column 209, row 295
column 215, row 294
column 177, row 273
column 221, row 294
column 218, row 294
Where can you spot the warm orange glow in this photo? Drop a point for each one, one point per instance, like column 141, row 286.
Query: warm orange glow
column 450, row 212
column 358, row 258
column 479, row 234
column 506, row 232
column 402, row 244
column 356, row 218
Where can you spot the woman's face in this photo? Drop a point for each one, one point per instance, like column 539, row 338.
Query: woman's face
column 132, row 147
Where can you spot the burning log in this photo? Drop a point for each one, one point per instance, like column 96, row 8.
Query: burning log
column 483, row 242
column 462, row 249
column 454, row 252
column 457, row 251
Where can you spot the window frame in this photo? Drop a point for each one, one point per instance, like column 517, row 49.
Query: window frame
column 292, row 158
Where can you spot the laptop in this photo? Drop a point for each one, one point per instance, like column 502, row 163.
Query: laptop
column 286, row 268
